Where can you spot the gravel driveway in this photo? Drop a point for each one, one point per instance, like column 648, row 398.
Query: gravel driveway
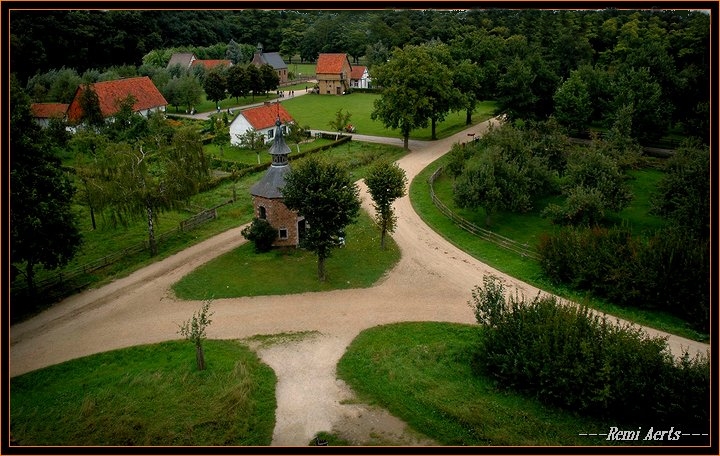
column 431, row 282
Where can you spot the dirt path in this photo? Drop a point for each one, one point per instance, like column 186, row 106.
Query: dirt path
column 432, row 282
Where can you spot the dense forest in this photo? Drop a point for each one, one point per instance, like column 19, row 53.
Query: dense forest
column 660, row 58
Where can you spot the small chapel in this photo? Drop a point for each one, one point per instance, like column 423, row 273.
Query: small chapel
column 267, row 195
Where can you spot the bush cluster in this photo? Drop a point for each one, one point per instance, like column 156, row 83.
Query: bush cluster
column 668, row 272
column 261, row 233
column 569, row 357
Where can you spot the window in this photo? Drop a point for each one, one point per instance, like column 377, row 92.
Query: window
column 270, row 133
column 262, row 213
column 283, row 233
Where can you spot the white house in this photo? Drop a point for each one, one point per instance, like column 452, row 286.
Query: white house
column 359, row 77
column 261, row 118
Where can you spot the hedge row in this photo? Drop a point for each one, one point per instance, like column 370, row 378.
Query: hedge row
column 569, row 357
column 668, row 272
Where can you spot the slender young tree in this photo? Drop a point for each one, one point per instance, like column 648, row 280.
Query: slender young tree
column 325, row 195
column 194, row 331
column 386, row 182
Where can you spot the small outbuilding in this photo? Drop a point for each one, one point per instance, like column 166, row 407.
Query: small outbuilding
column 267, row 195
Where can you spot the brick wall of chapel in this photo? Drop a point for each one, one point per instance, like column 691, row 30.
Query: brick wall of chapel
column 279, row 216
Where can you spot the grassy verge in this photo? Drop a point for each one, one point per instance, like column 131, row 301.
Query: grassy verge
column 527, row 228
column 243, row 272
column 148, row 395
column 421, row 373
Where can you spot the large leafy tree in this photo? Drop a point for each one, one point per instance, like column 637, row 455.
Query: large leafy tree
column 573, row 106
column 410, row 98
column 43, row 229
column 189, row 90
column 238, row 81
column 143, row 178
column 269, row 77
column 325, row 195
column 386, row 182
column 215, row 85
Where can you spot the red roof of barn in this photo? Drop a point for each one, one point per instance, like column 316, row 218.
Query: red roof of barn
column 357, row 72
column 264, row 116
column 111, row 93
column 48, row 110
column 209, row 64
column 331, row 63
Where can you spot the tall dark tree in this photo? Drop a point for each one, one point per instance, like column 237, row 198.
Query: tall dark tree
column 238, row 81
column 269, row 77
column 215, row 85
column 325, row 195
column 43, row 229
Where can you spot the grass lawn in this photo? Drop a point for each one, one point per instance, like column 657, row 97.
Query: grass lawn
column 236, row 273
column 316, row 111
column 148, row 395
column 421, row 373
column 527, row 228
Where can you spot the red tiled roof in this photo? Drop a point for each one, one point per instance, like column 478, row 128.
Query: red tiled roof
column 330, row 63
column 264, row 116
column 209, row 64
column 48, row 110
column 110, row 93
column 357, row 72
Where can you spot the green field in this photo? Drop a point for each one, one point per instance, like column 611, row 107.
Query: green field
column 317, row 111
column 147, row 395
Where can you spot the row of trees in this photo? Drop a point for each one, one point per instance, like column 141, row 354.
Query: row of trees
column 584, row 66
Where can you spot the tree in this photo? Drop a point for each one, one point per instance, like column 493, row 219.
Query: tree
column 341, row 120
column 90, row 105
column 593, row 185
column 386, row 182
column 325, row 195
column 683, row 194
column 269, row 77
column 142, row 179
column 189, row 90
column 239, row 54
column 255, row 78
column 572, row 103
column 215, row 85
column 411, row 98
column 238, row 81
column 43, row 228
column 253, row 140
column 467, row 77
column 194, row 331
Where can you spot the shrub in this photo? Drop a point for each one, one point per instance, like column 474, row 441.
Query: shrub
column 261, row 233
column 568, row 356
column 667, row 272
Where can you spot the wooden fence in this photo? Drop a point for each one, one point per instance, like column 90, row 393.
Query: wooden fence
column 514, row 246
